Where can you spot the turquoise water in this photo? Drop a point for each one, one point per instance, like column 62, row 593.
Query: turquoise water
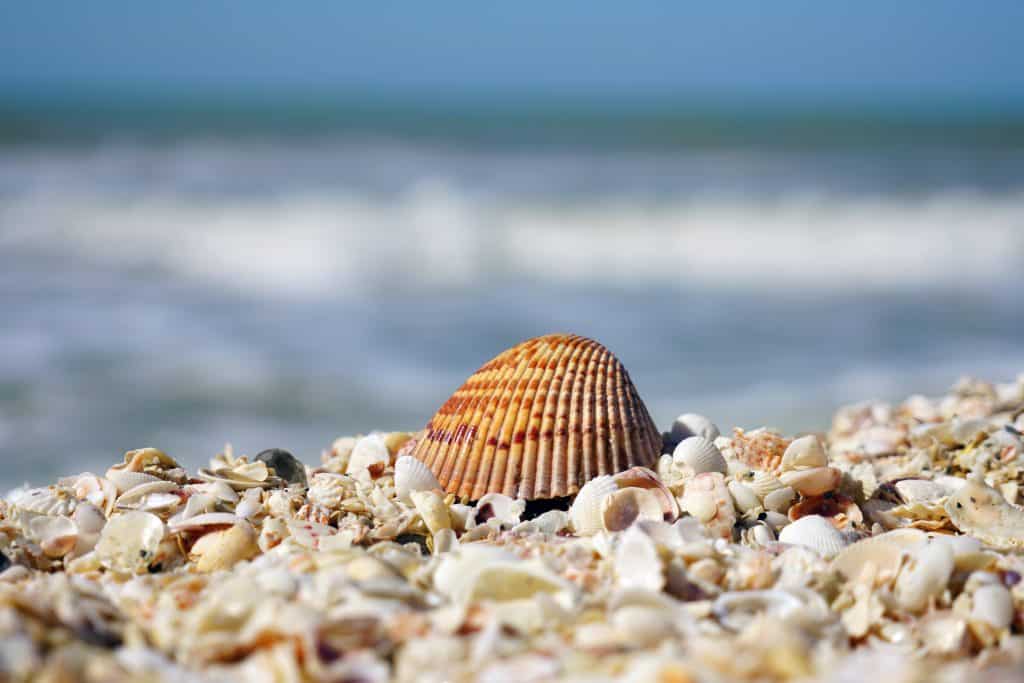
column 186, row 272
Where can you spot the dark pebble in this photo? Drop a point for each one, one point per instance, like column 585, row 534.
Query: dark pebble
column 4, row 562
column 285, row 465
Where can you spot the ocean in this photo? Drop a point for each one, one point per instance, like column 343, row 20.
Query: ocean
column 277, row 272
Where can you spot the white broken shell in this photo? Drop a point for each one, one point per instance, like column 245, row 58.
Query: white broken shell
column 804, row 452
column 924, row 576
column 637, row 562
column 129, row 542
column 623, row 507
column 993, row 604
column 56, row 536
column 700, row 455
column 411, row 475
column 814, row 481
column 432, row 510
column 585, row 512
column 505, row 509
column 369, row 451
column 814, row 532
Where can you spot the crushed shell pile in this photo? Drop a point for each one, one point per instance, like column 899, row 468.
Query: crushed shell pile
column 888, row 545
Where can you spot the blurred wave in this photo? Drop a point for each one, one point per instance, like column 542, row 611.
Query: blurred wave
column 277, row 290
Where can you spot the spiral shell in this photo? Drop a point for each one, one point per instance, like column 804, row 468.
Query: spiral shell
column 539, row 421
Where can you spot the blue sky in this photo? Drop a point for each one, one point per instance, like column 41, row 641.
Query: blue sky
column 806, row 48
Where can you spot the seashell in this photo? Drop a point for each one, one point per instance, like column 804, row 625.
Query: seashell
column 691, row 424
column 924, row 576
column 125, row 480
column 707, row 498
column 88, row 518
column 207, row 519
column 734, row 609
column 921, row 490
column 475, row 572
column 700, row 455
column 551, row 522
column 814, row 532
column 585, row 512
column 224, row 549
column 744, row 497
column 285, row 465
column 780, row 500
column 981, row 511
column 412, row 475
column 130, row 541
column 57, row 536
column 370, row 451
column 804, row 452
column 499, row 506
column 539, row 421
column 642, row 626
column 44, row 501
column 623, row 507
column 815, row 481
column 140, row 458
column 879, row 551
column 762, row 482
column 432, row 509
column 135, row 493
column 444, row 541
column 643, row 478
column 637, row 562
column 993, row 604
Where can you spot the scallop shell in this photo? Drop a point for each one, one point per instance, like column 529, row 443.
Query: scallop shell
column 539, row 421
column 692, row 424
column 585, row 512
column 413, row 475
column 700, row 455
column 814, row 532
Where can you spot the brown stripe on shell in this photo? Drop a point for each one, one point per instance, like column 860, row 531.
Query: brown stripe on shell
column 539, row 421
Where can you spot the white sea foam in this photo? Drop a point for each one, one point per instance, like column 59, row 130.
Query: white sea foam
column 434, row 235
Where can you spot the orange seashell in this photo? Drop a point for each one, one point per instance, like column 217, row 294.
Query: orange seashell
column 539, row 421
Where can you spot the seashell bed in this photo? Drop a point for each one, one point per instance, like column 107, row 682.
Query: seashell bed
column 889, row 544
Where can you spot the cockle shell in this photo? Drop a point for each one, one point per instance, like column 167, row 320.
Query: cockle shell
column 413, row 475
column 692, row 424
column 700, row 455
column 539, row 421
column 816, row 533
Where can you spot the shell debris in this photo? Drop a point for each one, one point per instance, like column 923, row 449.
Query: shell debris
column 890, row 544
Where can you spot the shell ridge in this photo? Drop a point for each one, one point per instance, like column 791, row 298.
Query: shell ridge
column 513, row 470
column 571, row 475
column 530, row 476
column 550, row 443
column 499, row 429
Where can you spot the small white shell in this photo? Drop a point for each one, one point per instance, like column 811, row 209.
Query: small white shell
column 921, row 490
column 623, row 507
column 763, row 483
column 993, row 604
column 206, row 519
column 505, row 509
column 369, row 451
column 88, row 518
column 223, row 549
column 804, row 452
column 878, row 551
column 814, row 481
column 136, row 493
column 692, row 424
column 585, row 512
column 700, row 455
column 126, row 480
column 411, row 475
column 744, row 497
column 814, row 532
column 43, row 501
column 57, row 536
column 924, row 576
column 432, row 509
column 129, row 542
column 780, row 500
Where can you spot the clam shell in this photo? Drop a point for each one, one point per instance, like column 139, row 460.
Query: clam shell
column 700, row 455
column 125, row 480
column 814, row 532
column 623, row 507
column 814, row 481
column 585, row 512
column 804, row 452
column 369, row 451
column 692, row 424
column 413, row 475
column 539, row 421
column 643, row 478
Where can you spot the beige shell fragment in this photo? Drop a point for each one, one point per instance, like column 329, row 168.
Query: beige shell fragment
column 623, row 507
column 129, row 542
column 585, row 512
column 432, row 510
column 925, row 575
column 223, row 549
column 539, row 421
column 981, row 511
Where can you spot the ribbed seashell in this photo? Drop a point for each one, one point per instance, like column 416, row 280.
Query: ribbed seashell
column 539, row 421
column 692, row 424
column 413, row 475
column 804, row 452
column 644, row 478
column 981, row 511
column 762, row 482
column 623, row 507
column 585, row 512
column 813, row 481
column 52, row 500
column 125, row 480
column 814, row 532
column 924, row 576
column 700, row 455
